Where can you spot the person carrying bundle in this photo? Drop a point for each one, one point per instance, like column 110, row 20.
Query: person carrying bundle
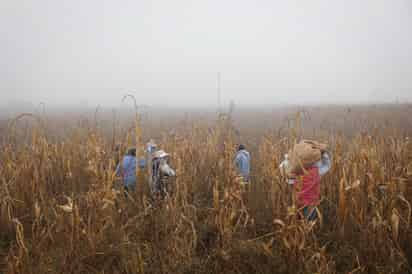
column 309, row 161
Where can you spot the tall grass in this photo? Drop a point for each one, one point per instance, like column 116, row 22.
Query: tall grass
column 62, row 210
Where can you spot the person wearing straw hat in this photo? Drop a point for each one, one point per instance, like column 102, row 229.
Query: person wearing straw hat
column 161, row 172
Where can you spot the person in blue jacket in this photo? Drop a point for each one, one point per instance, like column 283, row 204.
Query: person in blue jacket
column 242, row 163
column 127, row 169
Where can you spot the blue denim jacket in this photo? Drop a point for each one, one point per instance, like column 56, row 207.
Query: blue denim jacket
column 242, row 163
column 127, row 170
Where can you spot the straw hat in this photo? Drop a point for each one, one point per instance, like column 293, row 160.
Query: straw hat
column 160, row 154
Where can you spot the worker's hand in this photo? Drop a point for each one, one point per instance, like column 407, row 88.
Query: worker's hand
column 317, row 145
column 292, row 176
column 325, row 154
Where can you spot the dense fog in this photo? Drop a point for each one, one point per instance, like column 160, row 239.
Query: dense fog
column 181, row 53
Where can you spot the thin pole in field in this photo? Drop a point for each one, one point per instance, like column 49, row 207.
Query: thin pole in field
column 218, row 92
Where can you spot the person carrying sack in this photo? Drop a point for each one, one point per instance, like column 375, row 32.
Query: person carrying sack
column 309, row 163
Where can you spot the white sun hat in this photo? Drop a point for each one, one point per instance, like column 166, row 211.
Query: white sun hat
column 160, row 154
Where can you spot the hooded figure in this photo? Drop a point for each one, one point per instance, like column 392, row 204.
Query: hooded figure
column 242, row 163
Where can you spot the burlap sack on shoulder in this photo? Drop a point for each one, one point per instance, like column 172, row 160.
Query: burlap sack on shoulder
column 315, row 144
column 303, row 155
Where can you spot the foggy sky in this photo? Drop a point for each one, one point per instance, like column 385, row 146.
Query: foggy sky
column 169, row 52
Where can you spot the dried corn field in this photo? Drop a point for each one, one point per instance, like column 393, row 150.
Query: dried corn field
column 62, row 211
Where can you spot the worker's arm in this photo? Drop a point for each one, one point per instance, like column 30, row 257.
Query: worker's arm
column 324, row 164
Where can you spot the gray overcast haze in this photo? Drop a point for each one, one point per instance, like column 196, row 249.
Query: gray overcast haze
column 169, row 52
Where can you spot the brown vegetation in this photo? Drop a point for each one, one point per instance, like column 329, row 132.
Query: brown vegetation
column 61, row 211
